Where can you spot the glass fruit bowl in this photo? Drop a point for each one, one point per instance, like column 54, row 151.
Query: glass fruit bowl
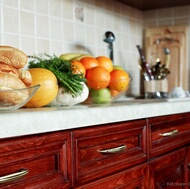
column 109, row 94
column 12, row 99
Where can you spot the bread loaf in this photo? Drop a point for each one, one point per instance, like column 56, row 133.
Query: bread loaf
column 13, row 57
column 5, row 68
column 10, row 82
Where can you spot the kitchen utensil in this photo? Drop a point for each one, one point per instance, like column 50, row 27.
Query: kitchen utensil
column 156, row 68
column 109, row 38
column 148, row 75
column 167, row 57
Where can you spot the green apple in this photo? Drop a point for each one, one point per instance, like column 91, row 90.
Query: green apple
column 117, row 67
column 100, row 96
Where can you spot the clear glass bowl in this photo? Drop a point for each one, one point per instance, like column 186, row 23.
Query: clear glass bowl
column 109, row 94
column 16, row 98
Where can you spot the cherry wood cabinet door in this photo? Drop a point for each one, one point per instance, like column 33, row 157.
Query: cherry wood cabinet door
column 167, row 133
column 44, row 158
column 169, row 171
column 107, row 149
column 188, row 162
column 134, row 178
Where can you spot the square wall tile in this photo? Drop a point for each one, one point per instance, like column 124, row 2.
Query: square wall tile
column 42, row 46
column 165, row 13
column 56, row 48
column 56, row 8
column 27, row 23
column 68, row 31
column 28, row 44
column 68, row 9
column 90, row 36
column 41, row 6
column 79, row 33
column 11, row 40
column 89, row 15
column 42, row 26
column 27, row 5
column 99, row 18
column 56, row 27
column 10, row 23
column 10, row 3
column 181, row 11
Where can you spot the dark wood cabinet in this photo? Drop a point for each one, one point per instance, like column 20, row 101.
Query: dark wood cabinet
column 167, row 133
column 169, row 171
column 132, row 178
column 106, row 149
column 40, row 161
column 188, row 165
column 150, row 153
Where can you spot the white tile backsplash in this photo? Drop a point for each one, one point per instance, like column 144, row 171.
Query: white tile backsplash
column 38, row 26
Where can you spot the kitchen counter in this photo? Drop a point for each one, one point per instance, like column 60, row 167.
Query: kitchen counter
column 40, row 120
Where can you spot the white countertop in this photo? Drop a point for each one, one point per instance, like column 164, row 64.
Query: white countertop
column 40, row 120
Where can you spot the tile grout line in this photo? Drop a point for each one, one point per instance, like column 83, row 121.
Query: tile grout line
column 2, row 22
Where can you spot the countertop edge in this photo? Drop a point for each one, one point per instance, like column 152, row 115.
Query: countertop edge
column 34, row 121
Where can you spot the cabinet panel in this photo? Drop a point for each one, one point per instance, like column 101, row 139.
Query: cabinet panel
column 46, row 157
column 107, row 149
column 168, row 171
column 167, row 133
column 188, row 162
column 134, row 178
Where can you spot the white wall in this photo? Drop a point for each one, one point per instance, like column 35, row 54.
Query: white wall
column 51, row 26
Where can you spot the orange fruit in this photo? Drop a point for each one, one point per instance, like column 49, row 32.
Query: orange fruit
column 98, row 77
column 105, row 62
column 113, row 92
column 78, row 68
column 89, row 62
column 119, row 80
column 48, row 87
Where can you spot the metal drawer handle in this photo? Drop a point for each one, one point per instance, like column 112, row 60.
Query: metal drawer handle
column 13, row 176
column 174, row 132
column 114, row 150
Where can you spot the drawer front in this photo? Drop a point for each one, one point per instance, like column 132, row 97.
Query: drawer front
column 106, row 149
column 167, row 133
column 36, row 162
column 134, row 178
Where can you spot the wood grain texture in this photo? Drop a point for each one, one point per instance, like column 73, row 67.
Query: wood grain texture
column 46, row 156
column 90, row 164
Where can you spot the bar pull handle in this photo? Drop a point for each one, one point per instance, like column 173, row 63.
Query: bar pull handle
column 14, row 176
column 171, row 133
column 113, row 150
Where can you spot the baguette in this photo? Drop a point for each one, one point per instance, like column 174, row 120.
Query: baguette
column 13, row 56
column 10, row 82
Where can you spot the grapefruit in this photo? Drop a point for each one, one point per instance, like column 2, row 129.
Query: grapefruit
column 48, row 87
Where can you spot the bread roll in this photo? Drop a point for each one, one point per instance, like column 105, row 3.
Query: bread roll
column 25, row 77
column 5, row 68
column 13, row 57
column 9, row 81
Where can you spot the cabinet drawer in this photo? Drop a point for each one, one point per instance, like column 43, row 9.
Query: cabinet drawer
column 134, row 178
column 167, row 133
column 103, row 150
column 44, row 157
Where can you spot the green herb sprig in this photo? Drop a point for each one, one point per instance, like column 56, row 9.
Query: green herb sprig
column 62, row 69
